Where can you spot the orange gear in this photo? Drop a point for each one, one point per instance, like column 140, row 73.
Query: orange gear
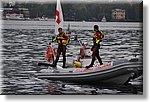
column 49, row 54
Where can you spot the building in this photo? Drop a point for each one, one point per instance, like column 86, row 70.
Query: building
column 16, row 13
column 14, row 16
column 12, row 11
column 118, row 14
column 103, row 19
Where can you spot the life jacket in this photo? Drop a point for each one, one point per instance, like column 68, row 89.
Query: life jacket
column 98, row 36
column 49, row 54
column 61, row 39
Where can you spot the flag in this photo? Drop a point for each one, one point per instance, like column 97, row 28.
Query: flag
column 59, row 17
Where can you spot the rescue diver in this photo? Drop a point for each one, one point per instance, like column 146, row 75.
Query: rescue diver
column 62, row 40
column 97, row 38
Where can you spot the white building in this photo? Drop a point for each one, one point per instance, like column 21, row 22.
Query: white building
column 118, row 14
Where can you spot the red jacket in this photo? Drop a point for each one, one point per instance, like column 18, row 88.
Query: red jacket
column 98, row 36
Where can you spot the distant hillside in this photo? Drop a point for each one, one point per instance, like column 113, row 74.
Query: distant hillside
column 86, row 12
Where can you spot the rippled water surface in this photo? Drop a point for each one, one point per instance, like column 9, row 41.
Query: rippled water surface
column 23, row 49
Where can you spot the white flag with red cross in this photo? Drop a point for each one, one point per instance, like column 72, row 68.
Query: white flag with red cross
column 59, row 17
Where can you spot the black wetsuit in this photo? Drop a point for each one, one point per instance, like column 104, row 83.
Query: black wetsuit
column 95, row 49
column 61, row 49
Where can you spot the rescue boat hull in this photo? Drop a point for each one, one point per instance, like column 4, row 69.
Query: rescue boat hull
column 117, row 72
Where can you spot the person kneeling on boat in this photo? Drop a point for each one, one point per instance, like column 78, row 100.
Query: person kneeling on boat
column 97, row 38
column 62, row 40
column 85, row 50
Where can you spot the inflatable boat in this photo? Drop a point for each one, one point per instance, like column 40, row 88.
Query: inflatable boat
column 115, row 72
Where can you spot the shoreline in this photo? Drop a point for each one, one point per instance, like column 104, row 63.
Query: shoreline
column 74, row 25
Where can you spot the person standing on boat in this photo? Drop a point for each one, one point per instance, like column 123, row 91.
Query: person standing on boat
column 97, row 38
column 62, row 40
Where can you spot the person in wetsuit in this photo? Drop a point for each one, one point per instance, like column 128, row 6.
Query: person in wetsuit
column 97, row 38
column 62, row 40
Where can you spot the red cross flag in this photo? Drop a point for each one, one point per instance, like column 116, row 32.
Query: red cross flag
column 59, row 17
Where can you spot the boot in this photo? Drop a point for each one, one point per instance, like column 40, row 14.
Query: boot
column 87, row 67
column 100, row 61
column 53, row 65
column 64, row 66
column 92, row 62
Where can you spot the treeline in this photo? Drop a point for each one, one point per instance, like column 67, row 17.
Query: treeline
column 86, row 12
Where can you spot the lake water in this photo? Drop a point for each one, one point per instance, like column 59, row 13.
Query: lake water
column 24, row 45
